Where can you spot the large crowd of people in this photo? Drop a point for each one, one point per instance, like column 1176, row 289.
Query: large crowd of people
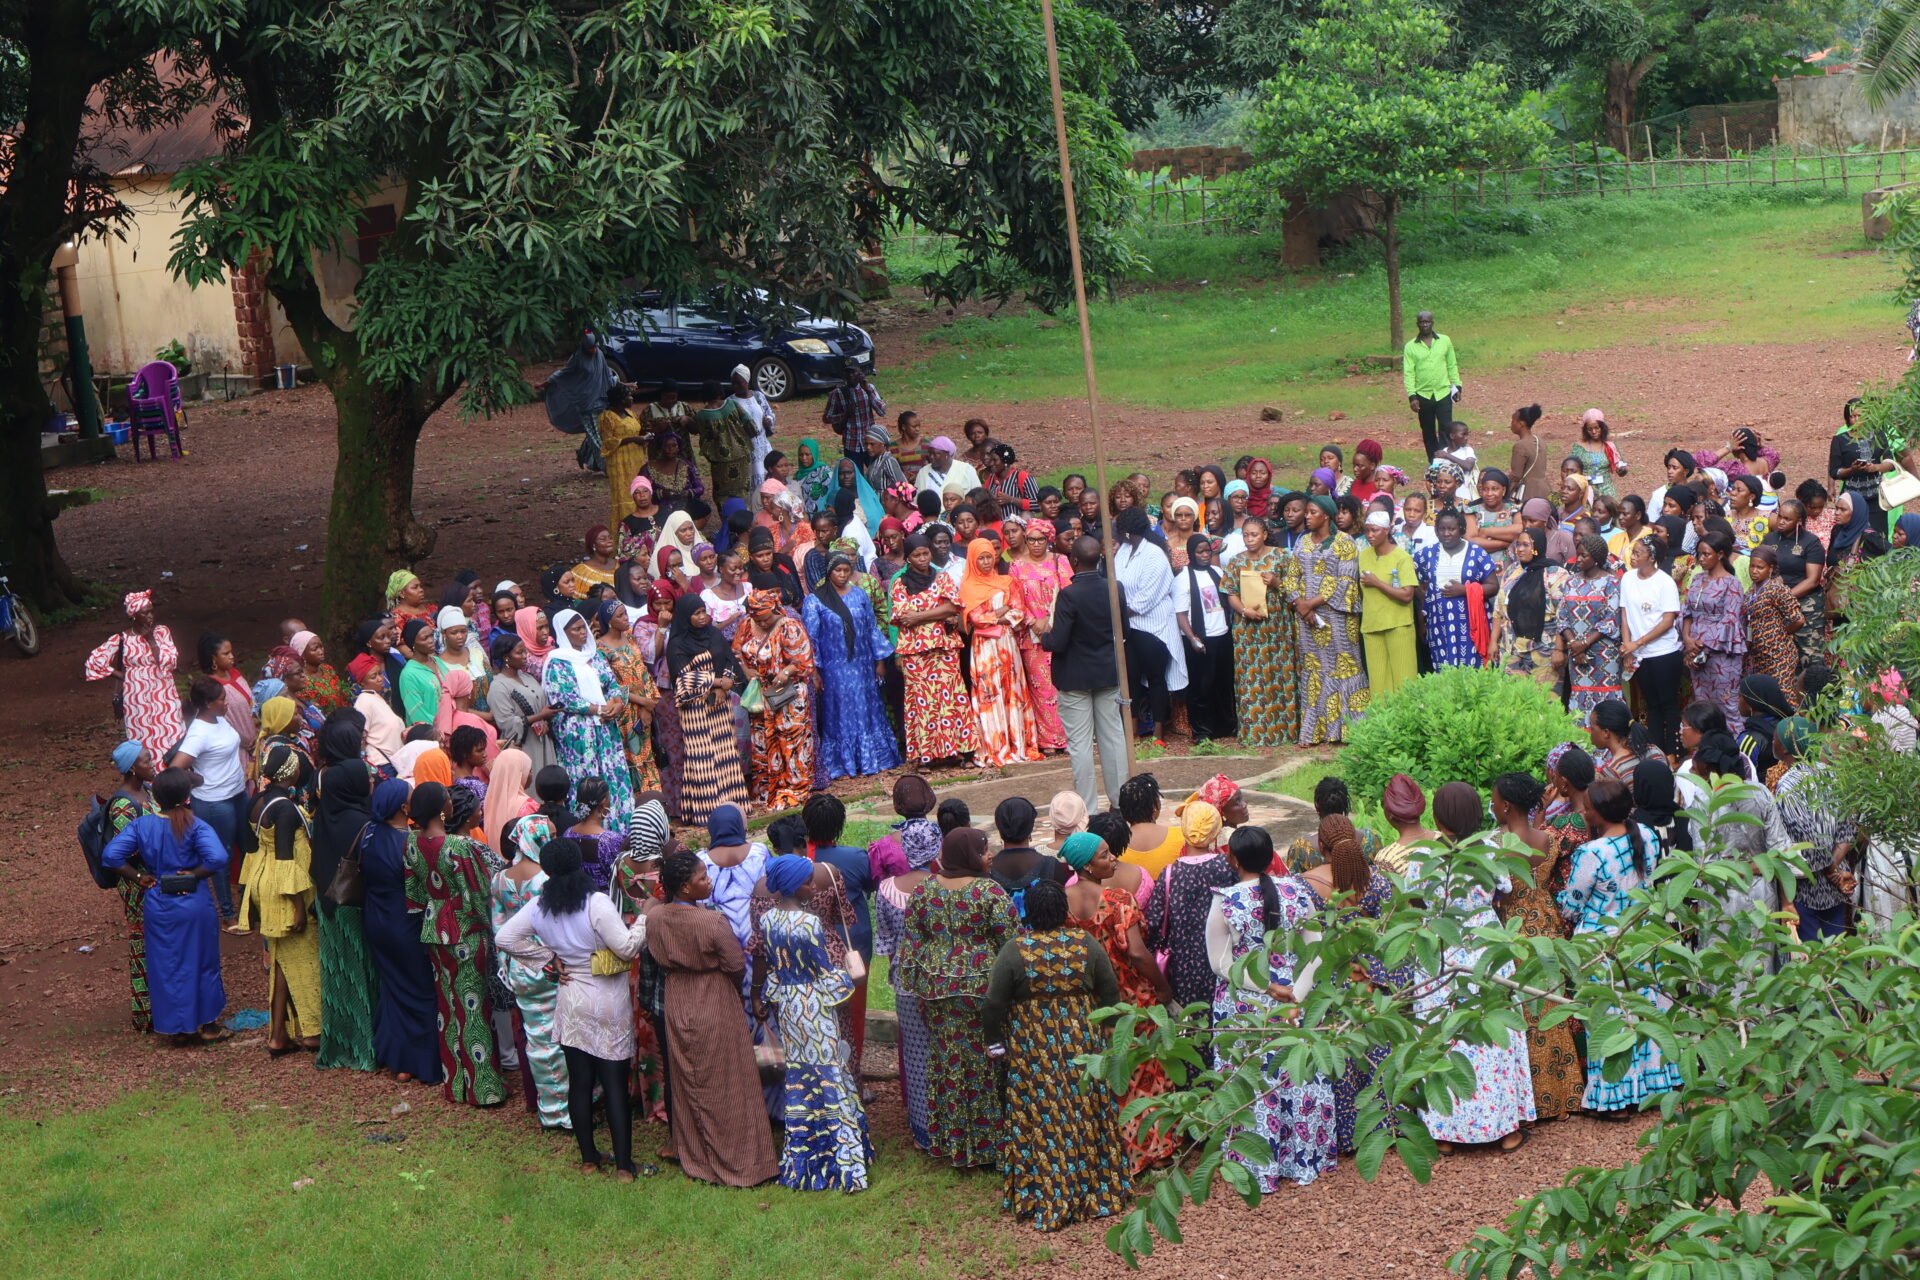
column 457, row 847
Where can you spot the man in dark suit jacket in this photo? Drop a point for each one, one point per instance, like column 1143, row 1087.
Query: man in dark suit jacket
column 1086, row 674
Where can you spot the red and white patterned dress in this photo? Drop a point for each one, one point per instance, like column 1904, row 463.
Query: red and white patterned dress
column 152, row 699
column 1002, row 705
column 939, row 716
column 1035, row 584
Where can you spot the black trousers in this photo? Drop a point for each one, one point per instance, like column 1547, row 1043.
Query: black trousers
column 584, row 1071
column 1147, row 661
column 1658, row 680
column 1435, row 417
column 1210, row 708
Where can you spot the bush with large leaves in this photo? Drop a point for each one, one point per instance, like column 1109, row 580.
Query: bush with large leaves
column 1457, row 724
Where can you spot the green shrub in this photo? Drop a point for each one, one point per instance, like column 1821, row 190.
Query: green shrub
column 1460, row 724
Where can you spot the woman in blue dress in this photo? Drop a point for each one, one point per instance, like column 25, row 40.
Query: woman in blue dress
column 406, row 1036
column 586, row 734
column 826, row 1147
column 176, row 853
column 1446, row 567
column 849, row 652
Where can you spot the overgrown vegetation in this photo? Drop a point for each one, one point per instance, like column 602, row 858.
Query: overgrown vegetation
column 1457, row 724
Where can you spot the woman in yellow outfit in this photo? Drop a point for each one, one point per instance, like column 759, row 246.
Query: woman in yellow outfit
column 622, row 449
column 278, row 885
column 1388, row 580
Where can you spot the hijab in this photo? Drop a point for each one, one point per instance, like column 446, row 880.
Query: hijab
column 434, row 766
column 526, row 625
column 977, row 587
column 864, row 495
column 1910, row 525
column 724, row 540
column 1196, row 618
column 912, row 579
column 623, row 585
column 831, row 600
column 780, row 578
column 687, row 641
column 342, row 810
column 586, row 680
column 1403, row 800
column 726, row 827
column 648, row 831
column 507, row 779
column 577, row 392
column 669, row 540
column 1655, row 804
column 1527, row 597
column 963, row 853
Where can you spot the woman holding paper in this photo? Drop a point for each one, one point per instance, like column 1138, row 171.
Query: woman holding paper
column 1322, row 584
column 1266, row 672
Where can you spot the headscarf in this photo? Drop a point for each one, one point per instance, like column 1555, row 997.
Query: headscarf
column 648, row 831
column 1446, row 467
column 1200, row 825
column 281, row 764
column 832, row 601
column 976, row 587
column 869, row 501
column 623, row 586
column 1323, row 502
column 726, row 826
column 282, row 661
column 1746, row 443
column 963, row 853
column 943, row 444
column 1325, row 476
column 1080, row 848
column 913, row 580
column 724, row 540
column 265, row 691
column 529, row 835
column 276, row 714
column 299, row 641
column 134, row 601
column 507, row 779
column 1796, row 734
column 1764, row 695
column 1259, row 497
column 126, row 755
column 1842, row 538
column 635, row 485
column 1196, row 616
column 434, row 765
column 340, row 813
column 450, row 615
column 1458, row 809
column 669, row 540
column 788, row 873
column 389, row 797
column 1233, row 487
column 1685, row 459
column 1656, row 802
column 526, row 625
column 1585, row 486
column 577, row 391
column 1066, row 813
column 1537, row 509
column 1676, row 530
column 1527, row 594
column 1218, row 791
column 1403, row 800
column 593, row 535
column 397, row 582
column 1909, row 524
column 688, row 641
column 1499, row 477
column 585, row 679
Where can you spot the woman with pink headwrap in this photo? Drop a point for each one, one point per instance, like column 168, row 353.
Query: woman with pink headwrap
column 1038, row 574
column 149, row 701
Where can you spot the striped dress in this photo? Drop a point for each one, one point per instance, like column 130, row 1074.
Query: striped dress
column 710, row 773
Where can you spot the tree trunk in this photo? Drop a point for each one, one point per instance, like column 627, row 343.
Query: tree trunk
column 1620, row 99
column 1390, row 241
column 27, row 544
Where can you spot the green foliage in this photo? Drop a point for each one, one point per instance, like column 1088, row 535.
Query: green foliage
column 1891, row 51
column 1457, row 724
column 1723, row 52
column 176, row 355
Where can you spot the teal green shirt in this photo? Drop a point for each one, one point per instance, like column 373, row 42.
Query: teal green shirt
column 1431, row 371
column 420, row 692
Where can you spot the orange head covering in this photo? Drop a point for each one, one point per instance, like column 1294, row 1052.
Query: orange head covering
column 977, row 588
column 433, row 766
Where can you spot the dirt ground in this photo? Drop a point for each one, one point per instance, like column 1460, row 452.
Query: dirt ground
column 231, row 540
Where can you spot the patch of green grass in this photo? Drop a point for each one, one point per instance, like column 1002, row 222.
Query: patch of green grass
column 1300, row 783
column 156, row 1187
column 1574, row 274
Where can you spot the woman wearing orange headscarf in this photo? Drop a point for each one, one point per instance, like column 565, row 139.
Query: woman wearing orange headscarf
column 1002, row 702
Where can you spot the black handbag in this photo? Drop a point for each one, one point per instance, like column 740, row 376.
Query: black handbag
column 348, row 888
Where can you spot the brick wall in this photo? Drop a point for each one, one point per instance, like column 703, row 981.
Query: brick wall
column 253, row 318
column 1192, row 162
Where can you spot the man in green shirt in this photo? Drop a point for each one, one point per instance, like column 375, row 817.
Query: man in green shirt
column 1432, row 373
column 726, row 442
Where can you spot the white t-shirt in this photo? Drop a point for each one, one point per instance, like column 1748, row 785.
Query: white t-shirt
column 215, row 749
column 1213, row 611
column 1642, row 601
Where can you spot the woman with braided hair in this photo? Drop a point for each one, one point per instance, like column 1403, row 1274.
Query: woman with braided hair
column 1502, row 1098
column 1558, row 1074
column 1587, row 617
column 277, row 882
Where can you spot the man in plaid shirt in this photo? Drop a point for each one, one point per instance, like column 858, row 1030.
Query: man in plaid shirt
column 852, row 408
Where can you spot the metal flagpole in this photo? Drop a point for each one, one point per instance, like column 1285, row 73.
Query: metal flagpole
column 1093, row 390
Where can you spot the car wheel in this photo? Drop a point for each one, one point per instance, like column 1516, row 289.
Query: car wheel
column 773, row 378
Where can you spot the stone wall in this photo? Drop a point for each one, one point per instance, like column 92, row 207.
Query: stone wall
column 1831, row 113
column 1192, row 162
column 1711, row 129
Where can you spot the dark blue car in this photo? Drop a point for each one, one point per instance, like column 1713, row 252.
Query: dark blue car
column 694, row 342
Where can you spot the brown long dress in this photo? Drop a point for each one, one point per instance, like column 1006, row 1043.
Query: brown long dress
column 1559, row 1071
column 718, row 1116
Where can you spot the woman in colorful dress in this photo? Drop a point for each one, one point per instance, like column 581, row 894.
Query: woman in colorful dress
column 1295, row 1121
column 813, row 475
column 446, row 885
column 826, row 1146
column 640, row 525
column 1523, row 641
column 633, row 675
column 956, row 923
column 1493, row 523
column 1617, row 859
column 1446, row 566
column 1772, row 615
column 919, row 838
column 581, row 686
column 1065, row 1161
column 325, row 689
column 675, row 480
column 1502, row 1098
column 1599, row 460
column 703, row 672
column 636, row 882
column 1559, row 1077
column 1713, row 628
column 850, row 650
column 773, row 649
column 534, row 991
column 1266, row 671
column 926, row 609
column 277, row 883
column 1322, row 583
column 1587, row 621
column 341, row 818
column 1038, row 574
column 133, row 800
column 1002, row 704
column 149, row 700
column 1114, row 919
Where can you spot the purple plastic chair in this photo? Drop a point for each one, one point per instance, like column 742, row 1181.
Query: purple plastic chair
column 153, row 404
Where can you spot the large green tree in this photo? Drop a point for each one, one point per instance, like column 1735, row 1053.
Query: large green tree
column 1368, row 110
column 551, row 156
column 71, row 72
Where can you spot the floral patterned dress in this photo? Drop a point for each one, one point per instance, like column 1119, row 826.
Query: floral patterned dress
column 1119, row 913
column 1176, row 920
column 1715, row 610
column 630, row 671
column 1335, row 689
column 1559, row 1075
column 1266, row 671
column 444, row 885
column 1771, row 650
column 1374, row 899
column 940, row 721
column 1002, row 704
column 121, row 811
column 1035, row 584
column 1598, row 882
column 920, row 841
column 949, row 941
column 1295, row 1121
column 782, row 737
column 1518, row 655
column 535, row 994
column 1502, row 1099
column 1591, row 607
column 826, row 1146
column 588, row 745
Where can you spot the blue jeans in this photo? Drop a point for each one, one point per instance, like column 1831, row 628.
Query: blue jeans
column 228, row 818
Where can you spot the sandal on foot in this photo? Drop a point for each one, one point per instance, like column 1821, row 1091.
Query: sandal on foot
column 1521, row 1138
